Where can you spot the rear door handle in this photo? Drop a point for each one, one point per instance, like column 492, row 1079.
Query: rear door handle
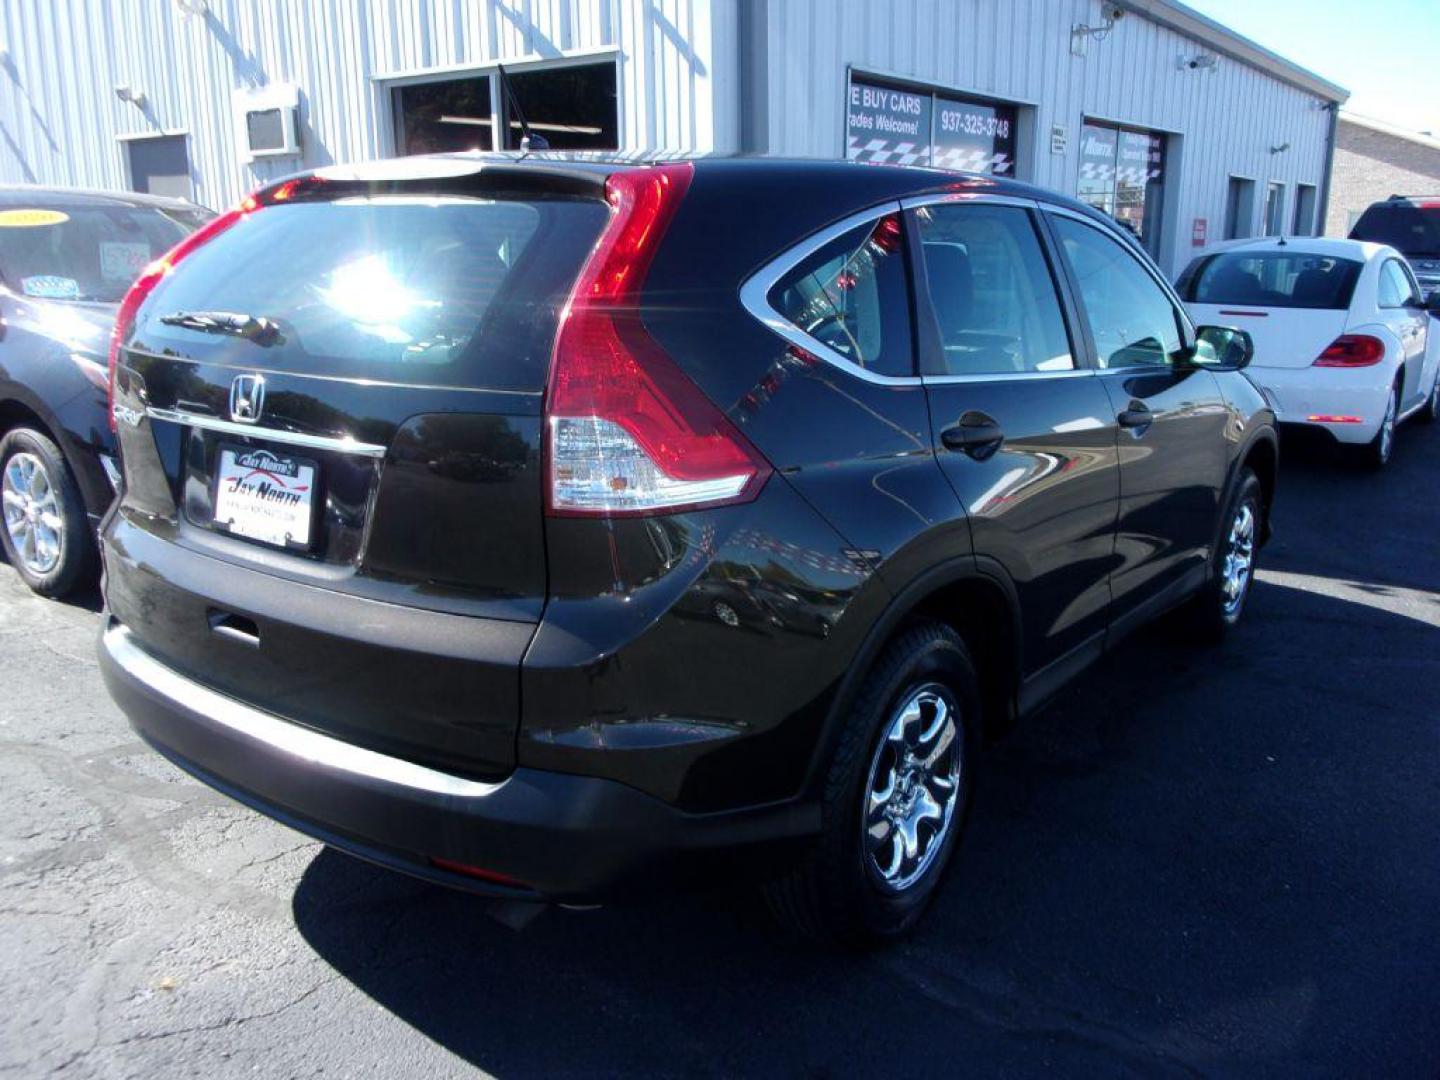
column 976, row 434
column 1136, row 416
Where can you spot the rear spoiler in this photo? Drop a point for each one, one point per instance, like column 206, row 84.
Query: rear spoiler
column 467, row 175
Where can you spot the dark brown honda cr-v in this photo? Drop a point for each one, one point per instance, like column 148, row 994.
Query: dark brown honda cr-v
column 552, row 528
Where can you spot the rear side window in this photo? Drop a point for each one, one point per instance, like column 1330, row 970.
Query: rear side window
column 1273, row 279
column 1396, row 285
column 1412, row 229
column 853, row 296
column 423, row 291
column 992, row 291
column 86, row 253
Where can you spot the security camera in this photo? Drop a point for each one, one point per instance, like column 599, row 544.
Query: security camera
column 1113, row 12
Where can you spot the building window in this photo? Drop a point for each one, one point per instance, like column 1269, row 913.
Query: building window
column 438, row 116
column 902, row 126
column 159, row 166
column 1275, row 209
column 1122, row 174
column 1304, row 210
column 573, row 106
column 1239, row 208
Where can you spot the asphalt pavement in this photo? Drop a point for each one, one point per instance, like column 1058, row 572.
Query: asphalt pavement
column 1197, row 860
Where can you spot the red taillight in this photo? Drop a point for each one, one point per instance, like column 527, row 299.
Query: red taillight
column 627, row 432
column 478, row 872
column 151, row 276
column 1352, row 350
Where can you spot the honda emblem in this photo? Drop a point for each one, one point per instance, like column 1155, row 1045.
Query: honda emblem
column 247, row 398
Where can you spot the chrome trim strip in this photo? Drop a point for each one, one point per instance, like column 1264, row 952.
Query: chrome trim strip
column 1006, row 376
column 281, row 734
column 968, row 198
column 291, row 438
column 755, row 296
column 352, row 380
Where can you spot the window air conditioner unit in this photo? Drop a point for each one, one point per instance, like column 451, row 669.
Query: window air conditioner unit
column 267, row 122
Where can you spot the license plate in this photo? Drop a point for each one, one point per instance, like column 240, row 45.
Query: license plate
column 265, row 496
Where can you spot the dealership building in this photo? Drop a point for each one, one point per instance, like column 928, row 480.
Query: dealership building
column 1181, row 129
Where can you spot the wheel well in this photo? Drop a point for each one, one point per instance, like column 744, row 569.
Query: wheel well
column 1264, row 462
column 979, row 610
column 13, row 414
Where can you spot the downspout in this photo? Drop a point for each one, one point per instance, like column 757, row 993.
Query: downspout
column 1323, row 214
column 753, row 32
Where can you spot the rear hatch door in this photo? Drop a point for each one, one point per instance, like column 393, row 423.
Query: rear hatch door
column 335, row 405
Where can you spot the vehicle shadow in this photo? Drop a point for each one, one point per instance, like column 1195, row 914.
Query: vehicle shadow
column 88, row 598
column 1196, row 859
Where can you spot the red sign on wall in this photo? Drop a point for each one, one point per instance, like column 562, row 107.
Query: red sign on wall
column 1197, row 232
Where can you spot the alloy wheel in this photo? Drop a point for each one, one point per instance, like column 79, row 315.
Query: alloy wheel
column 1387, row 428
column 1239, row 564
column 32, row 513
column 913, row 787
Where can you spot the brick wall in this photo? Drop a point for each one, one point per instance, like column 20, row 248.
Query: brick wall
column 1371, row 165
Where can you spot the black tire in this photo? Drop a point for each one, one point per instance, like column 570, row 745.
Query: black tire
column 77, row 558
column 1377, row 452
column 1430, row 412
column 1213, row 612
column 837, row 895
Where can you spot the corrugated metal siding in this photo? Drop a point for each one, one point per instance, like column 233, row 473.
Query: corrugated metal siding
column 1227, row 118
column 60, row 60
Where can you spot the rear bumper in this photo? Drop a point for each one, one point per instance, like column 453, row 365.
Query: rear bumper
column 541, row 834
column 1297, row 394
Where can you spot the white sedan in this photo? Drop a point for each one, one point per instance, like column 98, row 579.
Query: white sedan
column 1344, row 341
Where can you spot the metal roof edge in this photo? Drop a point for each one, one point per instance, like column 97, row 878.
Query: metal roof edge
column 1384, row 127
column 1185, row 20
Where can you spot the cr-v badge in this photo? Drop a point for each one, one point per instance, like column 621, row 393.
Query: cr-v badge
column 247, row 398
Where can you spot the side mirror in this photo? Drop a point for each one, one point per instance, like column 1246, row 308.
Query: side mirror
column 1432, row 303
column 1223, row 348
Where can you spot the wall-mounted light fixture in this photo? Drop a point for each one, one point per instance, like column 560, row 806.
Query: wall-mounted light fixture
column 1280, row 148
column 1081, row 34
column 130, row 94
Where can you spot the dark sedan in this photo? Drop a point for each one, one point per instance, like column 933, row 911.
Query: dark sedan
column 66, row 259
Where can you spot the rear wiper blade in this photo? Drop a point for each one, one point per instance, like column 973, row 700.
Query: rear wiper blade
column 254, row 328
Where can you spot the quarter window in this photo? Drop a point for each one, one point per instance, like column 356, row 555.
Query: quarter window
column 1132, row 320
column 853, row 297
column 1395, row 286
column 992, row 291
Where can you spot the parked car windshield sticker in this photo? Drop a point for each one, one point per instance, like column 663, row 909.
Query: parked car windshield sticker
column 123, row 260
column 50, row 287
column 30, row 218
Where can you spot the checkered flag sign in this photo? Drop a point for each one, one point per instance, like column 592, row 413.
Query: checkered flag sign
column 1125, row 174
column 885, row 152
column 971, row 159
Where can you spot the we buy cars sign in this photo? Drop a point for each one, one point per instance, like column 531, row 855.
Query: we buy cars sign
column 888, row 125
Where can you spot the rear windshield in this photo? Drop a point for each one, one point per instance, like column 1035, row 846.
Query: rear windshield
column 423, row 291
column 1411, row 229
column 1272, row 279
column 86, row 253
